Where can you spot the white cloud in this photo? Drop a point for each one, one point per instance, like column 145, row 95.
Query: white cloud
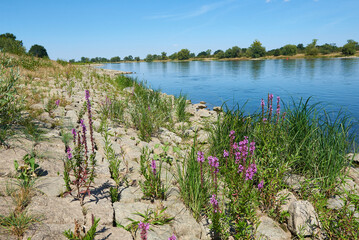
column 267, row 1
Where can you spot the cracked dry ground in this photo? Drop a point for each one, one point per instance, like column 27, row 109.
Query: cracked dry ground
column 58, row 214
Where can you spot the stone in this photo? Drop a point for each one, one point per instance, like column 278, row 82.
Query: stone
column 202, row 137
column 45, row 231
column 335, row 202
column 191, row 110
column 167, row 136
column 157, row 232
column 203, row 113
column 355, row 157
column 123, row 211
column 130, row 194
column 303, row 219
column 217, row 109
column 268, row 229
column 199, row 106
column 202, row 102
column 129, row 89
column 287, row 197
column 51, row 186
column 294, row 181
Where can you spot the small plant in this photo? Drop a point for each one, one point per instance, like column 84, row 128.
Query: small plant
column 157, row 217
column 181, row 103
column 17, row 223
column 79, row 167
column 82, row 234
column 152, row 187
column 27, row 172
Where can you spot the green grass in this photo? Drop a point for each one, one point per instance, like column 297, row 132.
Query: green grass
column 18, row 222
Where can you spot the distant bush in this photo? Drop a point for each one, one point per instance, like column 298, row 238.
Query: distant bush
column 350, row 48
column 256, row 50
column 183, row 54
column 8, row 43
column 289, row 50
column 311, row 49
column 38, row 51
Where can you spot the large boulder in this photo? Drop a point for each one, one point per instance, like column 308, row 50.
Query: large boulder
column 303, row 219
column 270, row 230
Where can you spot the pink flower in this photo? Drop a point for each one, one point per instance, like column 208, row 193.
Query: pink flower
column 214, row 202
column 153, row 166
column 173, row 237
column 260, row 185
column 69, row 154
column 225, row 154
column 57, row 102
column 200, row 157
column 144, row 228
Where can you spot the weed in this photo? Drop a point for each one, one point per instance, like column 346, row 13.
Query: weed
column 17, row 222
column 82, row 234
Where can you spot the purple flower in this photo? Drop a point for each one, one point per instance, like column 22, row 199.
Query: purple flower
column 149, row 108
column 231, row 134
column 213, row 162
column 225, row 153
column 153, row 166
column 173, row 237
column 69, row 154
column 57, row 102
column 262, row 103
column 74, row 134
column 264, row 119
column 251, row 171
column 144, row 228
column 82, row 122
column 240, row 168
column 270, row 97
column 87, row 95
column 200, row 157
column 260, row 185
column 214, row 202
column 278, row 105
column 252, row 148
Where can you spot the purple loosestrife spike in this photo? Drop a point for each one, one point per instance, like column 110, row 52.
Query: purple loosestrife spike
column 153, row 166
column 240, row 168
column 260, row 185
column 225, row 153
column 57, row 102
column 231, row 134
column 252, row 147
column 173, row 237
column 200, row 157
column 264, row 120
column 69, row 154
column 214, row 202
column 74, row 134
column 262, row 103
column 144, row 228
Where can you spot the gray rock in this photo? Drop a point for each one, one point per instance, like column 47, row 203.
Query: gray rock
column 288, row 199
column 303, row 219
column 270, row 230
column 199, row 106
column 202, row 137
column 123, row 211
column 335, row 202
column 130, row 194
column 217, row 109
column 203, row 113
column 167, row 136
column 355, row 157
column 294, row 181
column 51, row 186
column 202, row 102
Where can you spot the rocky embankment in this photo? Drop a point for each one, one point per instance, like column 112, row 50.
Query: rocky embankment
column 58, row 212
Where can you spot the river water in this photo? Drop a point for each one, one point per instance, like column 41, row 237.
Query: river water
column 334, row 82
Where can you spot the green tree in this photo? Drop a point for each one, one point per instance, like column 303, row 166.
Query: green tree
column 202, row 54
column 311, row 49
column 38, row 51
column 183, row 54
column 289, row 50
column 173, row 56
column 164, row 56
column 256, row 50
column 350, row 48
column 115, row 59
column 149, row 58
column 8, row 43
column 137, row 59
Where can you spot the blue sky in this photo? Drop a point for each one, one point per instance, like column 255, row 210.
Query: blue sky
column 75, row 28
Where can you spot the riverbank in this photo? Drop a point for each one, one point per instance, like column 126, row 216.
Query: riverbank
column 142, row 138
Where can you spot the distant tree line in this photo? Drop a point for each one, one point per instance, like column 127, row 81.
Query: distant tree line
column 9, row 44
column 255, row 50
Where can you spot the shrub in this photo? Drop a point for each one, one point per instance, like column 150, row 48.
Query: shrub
column 289, row 50
column 350, row 48
column 38, row 51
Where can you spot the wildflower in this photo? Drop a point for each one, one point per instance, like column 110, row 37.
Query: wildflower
column 251, row 171
column 90, row 119
column 74, row 134
column 240, row 168
column 270, row 97
column 214, row 202
column 200, row 157
column 149, row 108
column 260, row 185
column 153, row 166
column 264, row 120
column 225, row 153
column 213, row 162
column 252, row 148
column 69, row 154
column 144, row 228
column 231, row 134
column 262, row 103
column 57, row 102
column 173, row 237
column 278, row 105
